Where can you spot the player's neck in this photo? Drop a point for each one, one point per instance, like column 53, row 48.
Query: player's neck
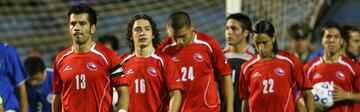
column 184, row 41
column 83, row 47
column 239, row 48
column 144, row 52
column 269, row 57
column 331, row 57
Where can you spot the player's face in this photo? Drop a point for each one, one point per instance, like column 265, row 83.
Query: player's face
column 80, row 29
column 301, row 45
column 184, row 32
column 37, row 78
column 354, row 43
column 263, row 44
column 234, row 33
column 332, row 40
column 142, row 33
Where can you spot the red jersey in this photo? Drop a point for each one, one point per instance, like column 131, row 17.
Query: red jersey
column 198, row 63
column 345, row 74
column 152, row 78
column 269, row 85
column 85, row 79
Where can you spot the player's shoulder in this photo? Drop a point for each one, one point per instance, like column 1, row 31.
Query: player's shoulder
column 316, row 61
column 64, row 53
column 7, row 48
column 250, row 62
column 161, row 54
column 166, row 42
column 206, row 38
column 101, row 48
column 349, row 61
column 126, row 56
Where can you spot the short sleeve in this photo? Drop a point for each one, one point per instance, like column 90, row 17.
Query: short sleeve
column 243, row 84
column 298, row 73
column 15, row 69
column 357, row 77
column 220, row 62
column 57, row 82
column 172, row 75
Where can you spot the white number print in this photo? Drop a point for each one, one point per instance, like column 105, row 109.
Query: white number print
column 268, row 86
column 140, row 84
column 187, row 73
column 80, row 81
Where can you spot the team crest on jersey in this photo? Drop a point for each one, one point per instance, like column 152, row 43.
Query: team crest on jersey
column 152, row 71
column 340, row 75
column 317, row 75
column 198, row 57
column 279, row 71
column 91, row 66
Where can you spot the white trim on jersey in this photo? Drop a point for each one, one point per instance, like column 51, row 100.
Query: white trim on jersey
column 92, row 49
column 104, row 92
column 157, row 57
column 285, row 58
column 347, row 65
column 313, row 66
column 251, row 63
column 205, row 94
column 66, row 54
column 202, row 42
column 288, row 99
column 169, row 45
column 127, row 58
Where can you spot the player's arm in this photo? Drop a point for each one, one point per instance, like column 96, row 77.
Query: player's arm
column 1, row 105
column 340, row 94
column 300, row 105
column 124, row 98
column 309, row 100
column 228, row 92
column 245, row 105
column 175, row 100
column 56, row 103
column 23, row 97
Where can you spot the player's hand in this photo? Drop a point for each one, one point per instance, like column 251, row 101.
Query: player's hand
column 319, row 108
column 339, row 94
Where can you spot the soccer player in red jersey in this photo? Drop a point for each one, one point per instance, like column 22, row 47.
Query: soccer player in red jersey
column 153, row 75
column 85, row 72
column 268, row 81
column 334, row 68
column 198, row 57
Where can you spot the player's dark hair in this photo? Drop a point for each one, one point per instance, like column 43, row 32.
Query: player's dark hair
column 299, row 31
column 179, row 19
column 34, row 65
column 245, row 22
column 110, row 39
column 155, row 31
column 83, row 8
column 267, row 28
column 345, row 34
column 328, row 25
column 346, row 31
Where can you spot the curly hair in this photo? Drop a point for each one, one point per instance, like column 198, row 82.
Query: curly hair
column 155, row 31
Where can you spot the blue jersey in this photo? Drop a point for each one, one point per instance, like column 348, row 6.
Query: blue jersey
column 12, row 74
column 40, row 96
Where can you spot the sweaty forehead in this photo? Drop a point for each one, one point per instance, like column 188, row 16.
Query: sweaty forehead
column 261, row 37
column 79, row 17
column 142, row 23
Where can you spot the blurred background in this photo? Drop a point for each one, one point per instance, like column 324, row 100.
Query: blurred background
column 41, row 25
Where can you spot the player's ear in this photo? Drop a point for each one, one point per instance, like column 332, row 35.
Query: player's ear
column 192, row 27
column 92, row 29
